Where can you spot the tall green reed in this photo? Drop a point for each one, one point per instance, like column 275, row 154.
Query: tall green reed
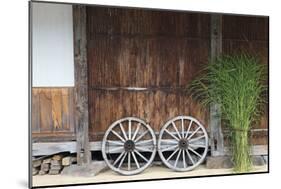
column 237, row 84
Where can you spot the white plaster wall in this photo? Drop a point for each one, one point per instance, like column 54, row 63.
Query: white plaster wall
column 52, row 45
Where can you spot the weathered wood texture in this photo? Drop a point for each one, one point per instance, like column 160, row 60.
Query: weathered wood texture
column 216, row 133
column 49, row 148
column 249, row 34
column 161, row 51
column 52, row 114
column 157, row 50
column 81, row 84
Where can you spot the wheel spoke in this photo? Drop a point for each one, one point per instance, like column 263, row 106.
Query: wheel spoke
column 189, row 126
column 139, row 154
column 118, row 158
column 142, row 135
column 135, row 159
column 195, row 152
column 172, row 135
column 182, row 127
column 116, row 149
column 122, row 160
column 177, row 131
column 115, row 142
column 123, row 131
column 116, row 134
column 177, row 159
column 129, row 129
column 144, row 142
column 197, row 138
column 136, row 131
column 194, row 133
column 189, row 156
column 183, row 159
column 129, row 161
column 172, row 154
column 169, row 148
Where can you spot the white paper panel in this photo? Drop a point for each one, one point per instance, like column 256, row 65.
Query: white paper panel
column 53, row 61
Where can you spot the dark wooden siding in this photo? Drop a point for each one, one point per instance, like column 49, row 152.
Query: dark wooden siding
column 52, row 114
column 161, row 51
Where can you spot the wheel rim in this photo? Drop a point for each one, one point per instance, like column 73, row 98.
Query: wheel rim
column 129, row 146
column 183, row 143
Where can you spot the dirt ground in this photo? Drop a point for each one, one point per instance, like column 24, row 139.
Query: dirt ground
column 150, row 173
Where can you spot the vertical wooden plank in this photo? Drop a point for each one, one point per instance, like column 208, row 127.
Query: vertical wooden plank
column 141, row 63
column 65, row 109
column 81, row 84
column 71, row 110
column 217, row 143
column 140, row 99
column 158, row 108
column 94, row 110
column 46, row 123
column 57, row 109
column 35, row 111
column 152, row 58
column 104, row 114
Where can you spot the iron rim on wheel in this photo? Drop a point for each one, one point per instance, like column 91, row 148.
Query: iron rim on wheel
column 183, row 143
column 129, row 146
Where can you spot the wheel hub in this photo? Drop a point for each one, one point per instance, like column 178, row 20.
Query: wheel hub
column 129, row 146
column 183, row 144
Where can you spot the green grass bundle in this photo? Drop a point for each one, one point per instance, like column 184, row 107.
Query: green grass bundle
column 237, row 84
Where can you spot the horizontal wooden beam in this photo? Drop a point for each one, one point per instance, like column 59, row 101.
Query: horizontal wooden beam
column 153, row 88
column 255, row 150
column 49, row 148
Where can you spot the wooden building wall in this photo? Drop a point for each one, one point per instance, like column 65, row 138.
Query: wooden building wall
column 52, row 114
column 156, row 50
column 160, row 51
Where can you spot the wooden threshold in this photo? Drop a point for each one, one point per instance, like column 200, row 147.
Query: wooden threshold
column 48, row 148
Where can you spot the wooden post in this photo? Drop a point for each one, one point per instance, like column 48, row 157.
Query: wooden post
column 216, row 135
column 81, row 84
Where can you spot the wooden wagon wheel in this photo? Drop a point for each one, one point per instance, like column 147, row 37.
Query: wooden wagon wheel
column 129, row 146
column 183, row 143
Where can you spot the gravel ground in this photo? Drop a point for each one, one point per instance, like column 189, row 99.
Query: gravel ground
column 150, row 173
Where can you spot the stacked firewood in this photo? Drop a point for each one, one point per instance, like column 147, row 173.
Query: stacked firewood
column 52, row 165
